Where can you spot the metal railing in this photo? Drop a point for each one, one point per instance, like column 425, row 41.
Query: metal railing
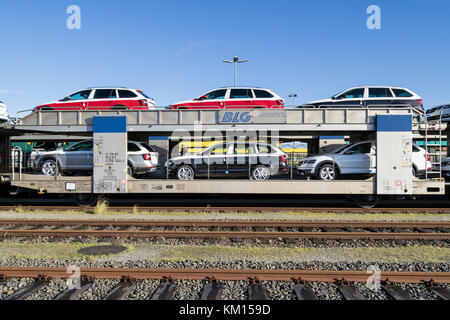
column 438, row 154
column 14, row 158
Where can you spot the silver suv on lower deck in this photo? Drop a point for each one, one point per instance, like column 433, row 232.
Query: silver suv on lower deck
column 78, row 158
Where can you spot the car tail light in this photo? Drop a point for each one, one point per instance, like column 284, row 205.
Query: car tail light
column 147, row 156
column 427, row 156
column 283, row 158
column 143, row 102
column 420, row 102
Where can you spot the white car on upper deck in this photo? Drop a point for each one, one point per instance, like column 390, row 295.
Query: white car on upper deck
column 371, row 96
column 3, row 112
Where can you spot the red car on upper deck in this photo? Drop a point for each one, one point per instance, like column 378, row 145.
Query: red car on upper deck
column 234, row 97
column 102, row 98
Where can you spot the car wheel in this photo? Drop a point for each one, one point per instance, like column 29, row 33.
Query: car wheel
column 414, row 172
column 261, row 173
column 327, row 172
column 130, row 170
column 48, row 167
column 185, row 172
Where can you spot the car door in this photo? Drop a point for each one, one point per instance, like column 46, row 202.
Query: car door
column 355, row 159
column 128, row 99
column 76, row 101
column 214, row 161
column 102, row 99
column 79, row 157
column 350, row 98
column 242, row 155
column 379, row 97
column 264, row 99
column 241, row 98
column 402, row 97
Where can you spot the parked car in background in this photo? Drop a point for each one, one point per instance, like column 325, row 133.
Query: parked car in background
column 78, row 158
column 102, row 98
column 3, row 112
column 233, row 97
column 259, row 161
column 441, row 112
column 371, row 96
column 356, row 159
column 445, row 166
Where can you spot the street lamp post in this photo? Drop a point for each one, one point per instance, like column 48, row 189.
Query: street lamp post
column 234, row 62
column 293, row 96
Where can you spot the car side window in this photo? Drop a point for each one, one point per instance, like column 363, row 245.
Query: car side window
column 240, row 148
column 132, row 147
column 146, row 146
column 379, row 93
column 262, row 94
column 82, row 146
column 263, row 148
column 402, row 93
column 126, row 94
column 216, row 94
column 362, row 148
column 81, row 95
column 105, row 94
column 352, row 94
column 219, row 150
column 241, row 94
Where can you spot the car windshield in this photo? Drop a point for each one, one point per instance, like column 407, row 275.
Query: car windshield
column 338, row 94
column 213, row 95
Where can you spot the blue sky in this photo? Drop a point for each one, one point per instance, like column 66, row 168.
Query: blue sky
column 173, row 49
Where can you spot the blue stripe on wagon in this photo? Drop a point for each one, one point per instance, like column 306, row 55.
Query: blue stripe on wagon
column 111, row 124
column 394, row 123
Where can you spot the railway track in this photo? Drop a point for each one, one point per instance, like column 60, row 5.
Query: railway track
column 214, row 278
column 196, row 209
column 261, row 229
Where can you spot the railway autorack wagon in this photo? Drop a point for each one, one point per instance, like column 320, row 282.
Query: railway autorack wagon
column 391, row 128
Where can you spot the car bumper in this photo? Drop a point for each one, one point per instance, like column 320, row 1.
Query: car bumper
column 305, row 172
column 144, row 170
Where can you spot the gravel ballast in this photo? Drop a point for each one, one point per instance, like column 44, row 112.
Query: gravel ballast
column 232, row 290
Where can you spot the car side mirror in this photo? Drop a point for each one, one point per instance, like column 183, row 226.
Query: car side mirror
column 65, row 99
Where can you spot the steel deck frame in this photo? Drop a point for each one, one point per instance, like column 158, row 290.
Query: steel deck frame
column 297, row 122
column 59, row 184
column 306, row 121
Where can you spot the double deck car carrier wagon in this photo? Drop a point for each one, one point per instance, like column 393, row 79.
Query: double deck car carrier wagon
column 391, row 128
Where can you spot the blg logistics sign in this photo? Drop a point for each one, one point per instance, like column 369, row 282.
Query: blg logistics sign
column 252, row 116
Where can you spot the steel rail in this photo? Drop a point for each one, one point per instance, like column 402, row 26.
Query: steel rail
column 227, row 274
column 229, row 209
column 230, row 223
column 224, row 234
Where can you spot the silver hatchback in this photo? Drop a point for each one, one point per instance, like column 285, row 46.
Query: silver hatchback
column 78, row 158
